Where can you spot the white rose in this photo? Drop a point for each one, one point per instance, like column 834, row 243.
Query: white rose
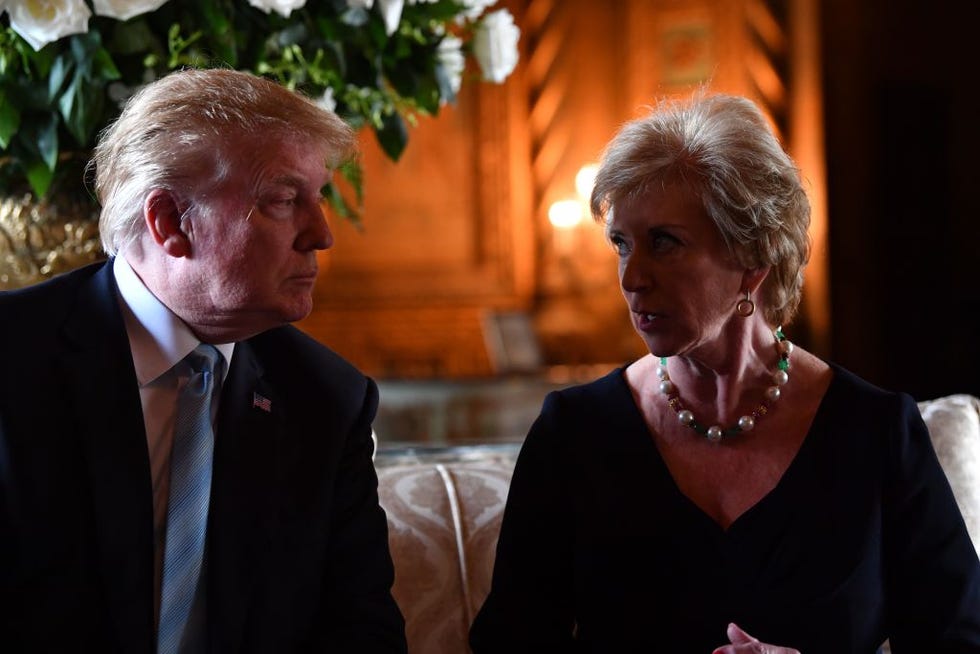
column 40, row 22
column 326, row 101
column 472, row 9
column 126, row 9
column 450, row 55
column 281, row 7
column 391, row 11
column 495, row 45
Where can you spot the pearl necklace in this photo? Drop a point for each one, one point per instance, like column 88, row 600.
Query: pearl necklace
column 715, row 433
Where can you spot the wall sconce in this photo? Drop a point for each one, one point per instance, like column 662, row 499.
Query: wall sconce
column 569, row 213
column 566, row 215
column 584, row 181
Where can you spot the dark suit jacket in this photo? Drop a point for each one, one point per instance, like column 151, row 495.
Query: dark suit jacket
column 297, row 554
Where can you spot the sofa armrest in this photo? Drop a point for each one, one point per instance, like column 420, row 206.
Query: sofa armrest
column 444, row 508
column 954, row 426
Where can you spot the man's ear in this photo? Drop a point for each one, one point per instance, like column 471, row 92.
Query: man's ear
column 163, row 220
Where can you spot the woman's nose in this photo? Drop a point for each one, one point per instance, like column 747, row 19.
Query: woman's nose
column 632, row 275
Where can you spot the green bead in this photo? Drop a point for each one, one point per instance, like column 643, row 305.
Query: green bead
column 663, row 361
column 780, row 336
column 783, row 364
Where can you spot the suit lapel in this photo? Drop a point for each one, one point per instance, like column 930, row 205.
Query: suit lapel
column 243, row 494
column 103, row 395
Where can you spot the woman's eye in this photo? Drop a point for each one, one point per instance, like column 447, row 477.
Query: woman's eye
column 619, row 245
column 663, row 242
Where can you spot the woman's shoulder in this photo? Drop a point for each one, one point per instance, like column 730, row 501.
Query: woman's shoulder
column 854, row 400
column 588, row 407
column 580, row 422
column 608, row 390
column 849, row 386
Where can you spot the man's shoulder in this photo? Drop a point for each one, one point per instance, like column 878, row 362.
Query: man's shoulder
column 62, row 284
column 40, row 305
column 289, row 348
column 310, row 373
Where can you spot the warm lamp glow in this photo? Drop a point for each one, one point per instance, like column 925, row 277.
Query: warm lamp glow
column 565, row 214
column 585, row 180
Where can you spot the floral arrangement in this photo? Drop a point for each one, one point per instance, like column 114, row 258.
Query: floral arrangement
column 66, row 66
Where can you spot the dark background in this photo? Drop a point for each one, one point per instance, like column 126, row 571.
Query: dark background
column 902, row 136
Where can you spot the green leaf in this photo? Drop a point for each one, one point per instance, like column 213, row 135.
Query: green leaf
column 39, row 176
column 9, row 120
column 40, row 61
column 131, row 37
column 392, row 135
column 40, row 136
column 353, row 174
column 338, row 203
column 223, row 47
column 403, row 79
column 81, row 107
column 427, row 93
column 59, row 73
column 441, row 11
column 103, row 67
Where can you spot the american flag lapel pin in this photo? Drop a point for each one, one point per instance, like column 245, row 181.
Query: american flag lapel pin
column 261, row 402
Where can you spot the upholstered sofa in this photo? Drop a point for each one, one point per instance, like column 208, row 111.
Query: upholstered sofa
column 444, row 507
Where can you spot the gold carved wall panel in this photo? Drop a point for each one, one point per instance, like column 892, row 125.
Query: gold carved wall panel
column 446, row 238
column 459, row 228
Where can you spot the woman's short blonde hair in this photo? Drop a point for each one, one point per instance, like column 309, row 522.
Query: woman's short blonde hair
column 722, row 148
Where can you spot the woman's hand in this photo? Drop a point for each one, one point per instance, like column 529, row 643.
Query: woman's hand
column 742, row 643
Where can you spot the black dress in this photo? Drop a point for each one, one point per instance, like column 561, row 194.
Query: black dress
column 861, row 539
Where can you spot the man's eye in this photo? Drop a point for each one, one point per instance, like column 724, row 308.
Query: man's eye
column 279, row 206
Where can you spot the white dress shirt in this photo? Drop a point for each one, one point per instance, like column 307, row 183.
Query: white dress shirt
column 159, row 340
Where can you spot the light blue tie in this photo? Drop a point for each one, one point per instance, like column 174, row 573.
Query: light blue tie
column 182, row 598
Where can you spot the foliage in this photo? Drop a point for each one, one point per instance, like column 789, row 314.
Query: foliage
column 379, row 65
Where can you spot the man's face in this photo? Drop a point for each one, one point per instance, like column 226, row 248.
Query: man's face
column 253, row 246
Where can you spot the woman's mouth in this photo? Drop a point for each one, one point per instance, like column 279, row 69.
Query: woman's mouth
column 645, row 320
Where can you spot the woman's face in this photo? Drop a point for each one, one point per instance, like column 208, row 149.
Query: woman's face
column 676, row 273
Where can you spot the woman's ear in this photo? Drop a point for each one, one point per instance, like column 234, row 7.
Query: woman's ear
column 752, row 278
column 163, row 220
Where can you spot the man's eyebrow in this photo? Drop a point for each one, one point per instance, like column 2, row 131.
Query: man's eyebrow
column 287, row 180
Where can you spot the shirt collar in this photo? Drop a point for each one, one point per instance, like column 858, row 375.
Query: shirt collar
column 158, row 338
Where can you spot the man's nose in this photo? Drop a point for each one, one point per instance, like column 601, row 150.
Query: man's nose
column 317, row 234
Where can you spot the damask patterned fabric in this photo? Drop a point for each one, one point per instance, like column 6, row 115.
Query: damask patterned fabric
column 954, row 425
column 444, row 511
column 443, row 520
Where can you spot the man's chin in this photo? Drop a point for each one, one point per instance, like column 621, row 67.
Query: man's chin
column 297, row 311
